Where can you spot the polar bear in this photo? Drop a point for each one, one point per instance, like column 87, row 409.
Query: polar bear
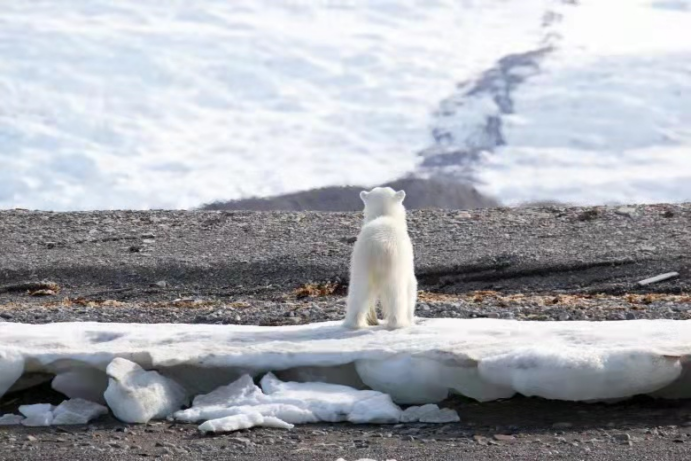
column 382, row 264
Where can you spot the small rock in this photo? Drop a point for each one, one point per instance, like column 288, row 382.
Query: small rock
column 480, row 439
column 503, row 437
column 31, row 438
column 588, row 215
column 628, row 211
column 630, row 316
column 50, row 245
column 161, row 284
column 241, row 440
column 623, row 439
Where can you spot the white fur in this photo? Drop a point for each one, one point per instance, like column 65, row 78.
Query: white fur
column 382, row 264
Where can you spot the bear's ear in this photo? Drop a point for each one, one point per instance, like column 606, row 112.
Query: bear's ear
column 363, row 195
column 400, row 196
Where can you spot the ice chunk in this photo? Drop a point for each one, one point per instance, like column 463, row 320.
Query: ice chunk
column 413, row 414
column 39, row 414
column 84, row 383
column 289, row 402
column 242, row 391
column 429, row 413
column 272, row 421
column 333, row 402
column 243, row 421
column 137, row 396
column 11, row 368
column 442, row 415
column 375, row 408
column 77, row 411
column 288, row 413
column 241, row 397
column 232, row 423
column 10, row 419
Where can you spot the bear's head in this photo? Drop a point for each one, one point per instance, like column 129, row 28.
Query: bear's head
column 383, row 201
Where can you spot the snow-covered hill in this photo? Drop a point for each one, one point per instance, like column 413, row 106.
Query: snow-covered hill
column 134, row 104
column 598, row 112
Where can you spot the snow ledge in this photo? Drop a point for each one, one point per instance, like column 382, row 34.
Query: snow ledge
column 484, row 359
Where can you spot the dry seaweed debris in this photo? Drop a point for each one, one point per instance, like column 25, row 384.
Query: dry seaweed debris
column 42, row 288
column 320, row 289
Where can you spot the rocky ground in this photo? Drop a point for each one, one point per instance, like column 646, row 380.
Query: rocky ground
column 549, row 263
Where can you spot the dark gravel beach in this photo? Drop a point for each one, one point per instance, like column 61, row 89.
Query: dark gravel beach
column 274, row 268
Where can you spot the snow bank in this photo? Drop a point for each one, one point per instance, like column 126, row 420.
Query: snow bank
column 145, row 105
column 573, row 122
column 484, row 359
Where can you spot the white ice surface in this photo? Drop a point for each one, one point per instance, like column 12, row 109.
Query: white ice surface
column 483, row 359
column 137, row 396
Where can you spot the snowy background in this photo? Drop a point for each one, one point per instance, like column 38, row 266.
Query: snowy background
column 134, row 104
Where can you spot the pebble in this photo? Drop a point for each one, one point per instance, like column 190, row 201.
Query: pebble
column 623, row 438
column 241, row 440
column 504, row 437
column 480, row 439
column 628, row 211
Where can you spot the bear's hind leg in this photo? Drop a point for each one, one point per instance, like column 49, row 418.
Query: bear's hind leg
column 412, row 296
column 395, row 304
column 359, row 304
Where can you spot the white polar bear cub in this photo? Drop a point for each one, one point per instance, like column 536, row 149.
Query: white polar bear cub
column 382, row 264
